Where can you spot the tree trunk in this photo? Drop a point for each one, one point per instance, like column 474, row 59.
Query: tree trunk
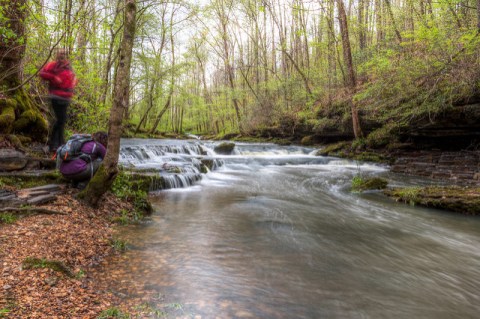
column 379, row 20
column 17, row 111
column 162, row 112
column 82, row 32
column 361, row 25
column 108, row 171
column 390, row 13
column 347, row 56
column 172, row 83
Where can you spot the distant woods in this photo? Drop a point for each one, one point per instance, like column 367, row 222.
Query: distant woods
column 251, row 66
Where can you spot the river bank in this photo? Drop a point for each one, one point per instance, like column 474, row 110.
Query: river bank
column 46, row 259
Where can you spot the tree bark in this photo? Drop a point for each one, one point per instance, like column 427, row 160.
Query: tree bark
column 108, row 171
column 12, row 48
column 17, row 111
column 347, row 55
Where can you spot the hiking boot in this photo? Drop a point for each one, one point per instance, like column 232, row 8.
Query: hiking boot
column 81, row 185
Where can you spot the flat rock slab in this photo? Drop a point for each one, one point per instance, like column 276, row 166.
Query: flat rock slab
column 12, row 160
column 465, row 200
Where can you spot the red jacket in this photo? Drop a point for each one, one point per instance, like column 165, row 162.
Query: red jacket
column 61, row 78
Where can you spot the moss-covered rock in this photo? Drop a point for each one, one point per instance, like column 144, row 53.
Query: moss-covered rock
column 28, row 120
column 333, row 149
column 134, row 187
column 207, row 164
column 7, row 115
column 360, row 184
column 307, row 140
column 225, row 148
column 464, row 200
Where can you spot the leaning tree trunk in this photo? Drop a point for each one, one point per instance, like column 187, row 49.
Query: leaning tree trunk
column 17, row 111
column 106, row 174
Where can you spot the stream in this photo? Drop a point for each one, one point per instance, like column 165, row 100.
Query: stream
column 274, row 232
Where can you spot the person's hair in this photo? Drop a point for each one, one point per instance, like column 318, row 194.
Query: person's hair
column 61, row 52
column 101, row 137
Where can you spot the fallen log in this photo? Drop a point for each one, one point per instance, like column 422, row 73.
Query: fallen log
column 31, row 210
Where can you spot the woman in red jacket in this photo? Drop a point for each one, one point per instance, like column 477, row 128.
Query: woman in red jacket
column 62, row 81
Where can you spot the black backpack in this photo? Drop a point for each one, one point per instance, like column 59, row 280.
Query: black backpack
column 73, row 148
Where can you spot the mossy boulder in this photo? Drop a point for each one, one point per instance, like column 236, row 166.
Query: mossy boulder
column 333, row 149
column 308, row 140
column 465, row 200
column 207, row 164
column 7, row 115
column 225, row 148
column 360, row 184
column 19, row 114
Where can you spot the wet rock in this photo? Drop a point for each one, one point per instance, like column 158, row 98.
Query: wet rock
column 207, row 163
column 225, row 148
column 12, row 160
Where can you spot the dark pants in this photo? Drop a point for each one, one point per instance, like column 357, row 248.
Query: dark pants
column 57, row 137
column 87, row 174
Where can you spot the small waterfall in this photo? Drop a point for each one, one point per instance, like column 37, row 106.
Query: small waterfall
column 171, row 164
column 182, row 163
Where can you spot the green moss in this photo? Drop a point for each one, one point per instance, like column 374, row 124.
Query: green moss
column 4, row 312
column 360, row 184
column 10, row 103
column 119, row 245
column 207, row 164
column 370, row 157
column 30, row 122
column 407, row 195
column 31, row 115
column 32, row 263
column 383, row 136
column 7, row 117
column 7, row 218
column 133, row 188
column 26, row 181
column 333, row 149
column 113, row 313
column 307, row 140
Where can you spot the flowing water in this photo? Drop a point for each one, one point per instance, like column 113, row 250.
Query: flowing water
column 274, row 232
